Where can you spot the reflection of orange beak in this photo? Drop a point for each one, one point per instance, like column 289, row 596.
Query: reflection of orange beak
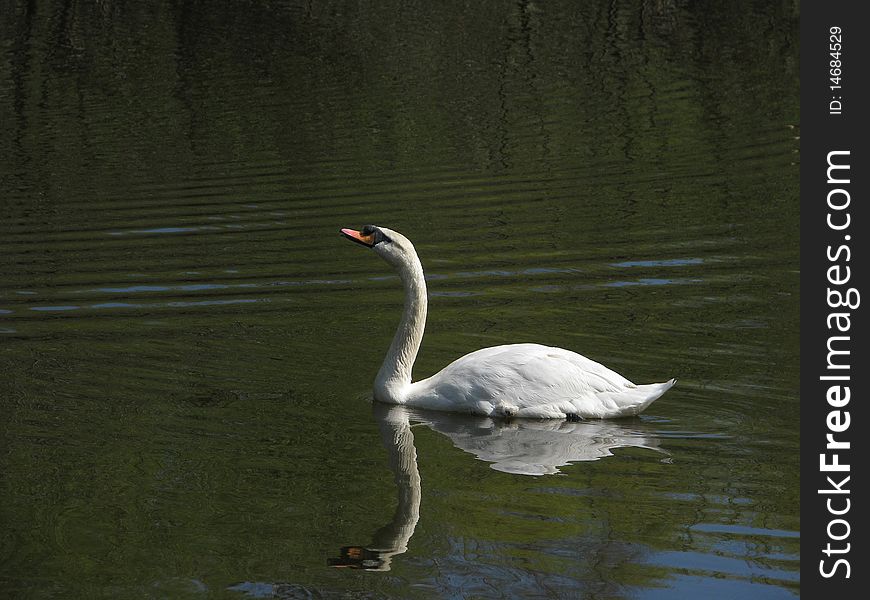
column 355, row 236
column 357, row 557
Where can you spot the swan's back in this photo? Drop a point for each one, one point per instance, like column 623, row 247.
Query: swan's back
column 535, row 381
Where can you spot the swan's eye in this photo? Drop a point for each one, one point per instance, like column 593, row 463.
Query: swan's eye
column 379, row 236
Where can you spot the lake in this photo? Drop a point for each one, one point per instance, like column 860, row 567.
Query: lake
column 188, row 346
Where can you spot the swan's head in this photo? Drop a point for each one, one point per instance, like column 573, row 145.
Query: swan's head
column 390, row 245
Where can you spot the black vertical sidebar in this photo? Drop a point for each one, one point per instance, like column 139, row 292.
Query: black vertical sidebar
column 835, row 370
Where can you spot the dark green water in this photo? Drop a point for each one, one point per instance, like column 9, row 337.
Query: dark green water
column 187, row 346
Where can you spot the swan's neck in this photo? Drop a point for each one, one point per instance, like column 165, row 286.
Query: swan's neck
column 395, row 375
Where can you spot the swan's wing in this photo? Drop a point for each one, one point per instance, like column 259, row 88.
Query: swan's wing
column 530, row 380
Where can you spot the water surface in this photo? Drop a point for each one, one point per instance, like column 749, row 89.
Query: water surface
column 187, row 346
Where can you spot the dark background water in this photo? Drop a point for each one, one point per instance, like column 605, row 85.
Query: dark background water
column 187, row 346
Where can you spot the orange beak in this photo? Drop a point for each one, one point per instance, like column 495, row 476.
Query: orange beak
column 355, row 236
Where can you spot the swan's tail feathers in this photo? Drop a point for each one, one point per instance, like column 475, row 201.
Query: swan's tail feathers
column 653, row 391
column 644, row 395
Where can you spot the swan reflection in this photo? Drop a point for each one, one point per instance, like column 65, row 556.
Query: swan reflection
column 522, row 446
column 534, row 447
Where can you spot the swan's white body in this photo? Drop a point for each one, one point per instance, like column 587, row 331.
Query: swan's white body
column 530, row 380
column 515, row 380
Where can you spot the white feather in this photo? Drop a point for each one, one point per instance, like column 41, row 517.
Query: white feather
column 530, row 380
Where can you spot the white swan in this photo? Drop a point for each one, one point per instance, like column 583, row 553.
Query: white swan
column 515, row 380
